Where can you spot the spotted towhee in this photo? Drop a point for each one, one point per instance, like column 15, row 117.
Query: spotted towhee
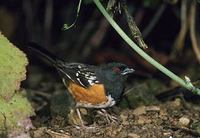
column 90, row 86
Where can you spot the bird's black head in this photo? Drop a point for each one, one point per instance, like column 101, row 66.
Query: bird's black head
column 113, row 76
column 115, row 71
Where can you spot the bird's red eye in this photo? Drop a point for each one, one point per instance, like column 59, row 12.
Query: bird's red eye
column 116, row 70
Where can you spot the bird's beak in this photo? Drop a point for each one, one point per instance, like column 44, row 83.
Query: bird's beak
column 127, row 71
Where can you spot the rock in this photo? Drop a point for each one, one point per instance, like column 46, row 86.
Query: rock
column 133, row 135
column 143, row 120
column 176, row 103
column 153, row 108
column 139, row 111
column 184, row 121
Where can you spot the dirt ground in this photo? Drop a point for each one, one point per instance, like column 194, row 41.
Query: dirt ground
column 172, row 119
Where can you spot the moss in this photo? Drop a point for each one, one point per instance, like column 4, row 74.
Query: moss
column 12, row 68
column 15, row 109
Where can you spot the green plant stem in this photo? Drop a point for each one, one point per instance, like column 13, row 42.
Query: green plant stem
column 173, row 76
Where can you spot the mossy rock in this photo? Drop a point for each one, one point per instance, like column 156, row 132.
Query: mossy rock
column 12, row 68
column 15, row 109
column 15, row 113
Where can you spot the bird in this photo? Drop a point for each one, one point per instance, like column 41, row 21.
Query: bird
column 90, row 86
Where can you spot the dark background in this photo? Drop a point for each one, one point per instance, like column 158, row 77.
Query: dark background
column 92, row 40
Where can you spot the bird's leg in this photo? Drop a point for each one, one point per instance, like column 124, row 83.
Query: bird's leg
column 74, row 118
column 109, row 117
column 81, row 120
column 79, row 115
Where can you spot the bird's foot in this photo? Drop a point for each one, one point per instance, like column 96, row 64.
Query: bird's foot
column 110, row 118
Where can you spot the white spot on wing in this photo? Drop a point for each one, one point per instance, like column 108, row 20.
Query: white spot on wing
column 79, row 66
column 91, row 82
column 68, row 76
column 80, row 81
column 92, row 77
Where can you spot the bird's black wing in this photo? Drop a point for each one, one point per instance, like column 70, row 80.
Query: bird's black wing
column 82, row 74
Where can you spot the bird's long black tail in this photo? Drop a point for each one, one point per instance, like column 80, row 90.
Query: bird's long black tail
column 43, row 53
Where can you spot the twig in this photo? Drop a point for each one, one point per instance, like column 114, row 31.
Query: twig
column 110, row 5
column 179, row 42
column 133, row 27
column 66, row 26
column 55, row 134
column 192, row 30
